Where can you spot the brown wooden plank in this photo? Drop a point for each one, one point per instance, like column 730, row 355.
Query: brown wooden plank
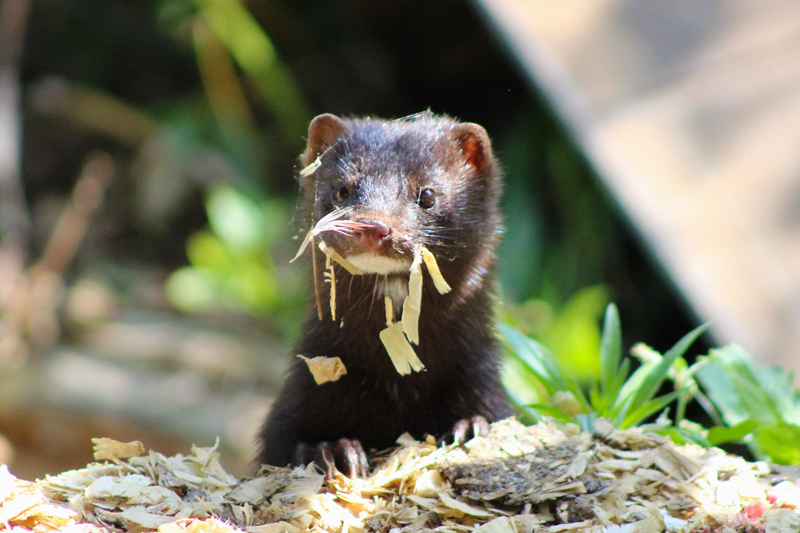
column 690, row 112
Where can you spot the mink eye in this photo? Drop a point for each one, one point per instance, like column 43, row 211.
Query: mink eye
column 340, row 192
column 426, row 198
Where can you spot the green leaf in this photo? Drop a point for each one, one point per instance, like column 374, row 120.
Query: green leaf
column 622, row 375
column 656, row 374
column 549, row 410
column 778, row 383
column 523, row 413
column 192, row 289
column 638, row 414
column 574, row 336
column 610, row 351
column 535, row 358
column 207, row 251
column 626, row 392
column 720, row 390
column 717, row 435
column 577, row 393
column 781, row 442
column 735, row 385
column 586, row 421
column 236, row 219
column 678, row 435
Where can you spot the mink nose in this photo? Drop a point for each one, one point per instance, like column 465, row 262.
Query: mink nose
column 371, row 232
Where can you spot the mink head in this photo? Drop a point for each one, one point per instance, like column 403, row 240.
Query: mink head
column 392, row 184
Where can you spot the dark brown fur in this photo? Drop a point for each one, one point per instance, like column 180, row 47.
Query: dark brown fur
column 385, row 165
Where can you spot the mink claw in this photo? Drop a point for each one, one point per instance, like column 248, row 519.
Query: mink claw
column 465, row 430
column 324, row 459
column 303, row 454
column 350, row 458
column 346, row 456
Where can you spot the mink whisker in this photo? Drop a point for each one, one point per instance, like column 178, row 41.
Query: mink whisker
column 374, row 293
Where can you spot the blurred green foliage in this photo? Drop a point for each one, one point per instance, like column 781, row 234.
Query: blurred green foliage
column 232, row 265
column 250, row 47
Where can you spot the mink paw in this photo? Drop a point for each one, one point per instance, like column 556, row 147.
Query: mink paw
column 465, row 430
column 346, row 455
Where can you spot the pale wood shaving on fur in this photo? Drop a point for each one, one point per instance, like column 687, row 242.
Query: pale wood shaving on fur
column 433, row 269
column 333, row 254
column 306, row 239
column 388, row 305
column 311, row 168
column 325, row 369
column 330, row 278
column 396, row 339
column 401, row 353
column 412, row 306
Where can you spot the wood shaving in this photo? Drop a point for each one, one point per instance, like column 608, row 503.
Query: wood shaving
column 401, row 353
column 412, row 305
column 333, row 254
column 325, row 369
column 311, row 168
column 539, row 479
column 110, row 449
column 307, row 239
column 322, row 225
column 433, row 270
column 389, row 306
column 330, row 277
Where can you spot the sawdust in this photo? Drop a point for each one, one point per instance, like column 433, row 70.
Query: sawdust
column 540, row 479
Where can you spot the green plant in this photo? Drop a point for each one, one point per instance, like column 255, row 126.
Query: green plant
column 625, row 400
column 759, row 403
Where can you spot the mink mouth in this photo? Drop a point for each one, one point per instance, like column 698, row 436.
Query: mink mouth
column 372, row 263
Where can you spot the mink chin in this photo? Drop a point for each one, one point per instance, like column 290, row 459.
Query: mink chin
column 422, row 180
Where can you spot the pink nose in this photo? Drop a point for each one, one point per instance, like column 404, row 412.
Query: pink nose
column 372, row 233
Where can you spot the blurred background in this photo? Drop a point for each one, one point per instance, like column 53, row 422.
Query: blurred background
column 147, row 152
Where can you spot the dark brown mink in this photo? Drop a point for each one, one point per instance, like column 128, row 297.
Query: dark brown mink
column 424, row 179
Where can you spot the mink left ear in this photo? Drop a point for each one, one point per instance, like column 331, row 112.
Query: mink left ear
column 475, row 145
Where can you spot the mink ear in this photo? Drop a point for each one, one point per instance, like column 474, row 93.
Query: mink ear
column 323, row 132
column 475, row 145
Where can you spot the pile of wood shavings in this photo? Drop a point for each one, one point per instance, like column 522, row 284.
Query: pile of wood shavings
column 539, row 479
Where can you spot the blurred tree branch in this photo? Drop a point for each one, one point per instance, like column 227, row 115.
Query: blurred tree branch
column 15, row 220
column 31, row 303
column 226, row 96
column 253, row 51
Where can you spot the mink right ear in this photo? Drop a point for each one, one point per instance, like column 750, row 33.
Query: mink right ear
column 323, row 133
column 474, row 144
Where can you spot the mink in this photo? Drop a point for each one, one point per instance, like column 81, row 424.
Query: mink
column 425, row 179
